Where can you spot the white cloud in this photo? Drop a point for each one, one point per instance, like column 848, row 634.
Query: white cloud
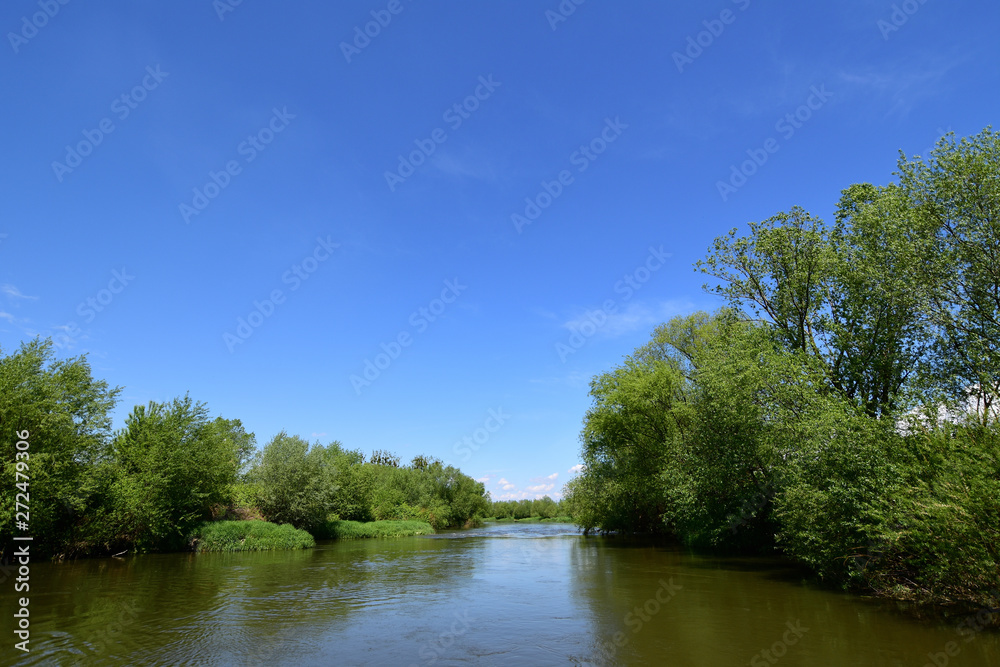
column 505, row 485
column 6, row 316
column 578, row 468
column 13, row 292
column 553, row 476
column 540, row 488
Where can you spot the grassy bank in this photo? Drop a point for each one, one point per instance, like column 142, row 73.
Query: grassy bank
column 248, row 536
column 356, row 530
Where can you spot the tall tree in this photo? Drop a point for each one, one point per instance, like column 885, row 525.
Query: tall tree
column 66, row 413
column 876, row 333
column 956, row 190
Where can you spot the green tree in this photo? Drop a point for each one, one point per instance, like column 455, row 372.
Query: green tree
column 956, row 192
column 66, row 413
column 627, row 438
column 170, row 465
column 296, row 483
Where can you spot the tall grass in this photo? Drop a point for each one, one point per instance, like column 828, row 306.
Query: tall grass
column 356, row 530
column 248, row 536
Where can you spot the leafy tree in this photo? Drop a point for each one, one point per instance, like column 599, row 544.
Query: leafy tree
column 956, row 192
column 170, row 465
column 627, row 437
column 296, row 483
column 66, row 413
column 778, row 274
column 878, row 334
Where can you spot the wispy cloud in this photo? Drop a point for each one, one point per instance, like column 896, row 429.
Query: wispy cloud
column 632, row 317
column 904, row 85
column 14, row 293
column 578, row 468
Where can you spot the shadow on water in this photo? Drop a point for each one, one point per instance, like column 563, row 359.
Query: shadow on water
column 534, row 594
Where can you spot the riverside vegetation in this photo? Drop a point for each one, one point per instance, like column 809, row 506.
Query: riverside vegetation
column 840, row 407
column 175, row 479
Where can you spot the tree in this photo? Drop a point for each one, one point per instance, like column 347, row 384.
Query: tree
column 956, row 192
column 296, row 483
column 877, row 333
column 627, row 436
column 778, row 274
column 66, row 413
column 170, row 465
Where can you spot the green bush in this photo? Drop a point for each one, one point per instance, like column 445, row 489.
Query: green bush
column 355, row 530
column 248, row 536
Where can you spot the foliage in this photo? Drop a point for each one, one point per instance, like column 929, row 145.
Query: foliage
column 356, row 530
column 543, row 508
column 155, row 483
column 793, row 419
column 66, row 414
column 248, row 536
column 295, row 483
column 169, row 466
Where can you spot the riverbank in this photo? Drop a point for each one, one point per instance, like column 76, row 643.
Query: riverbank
column 357, row 530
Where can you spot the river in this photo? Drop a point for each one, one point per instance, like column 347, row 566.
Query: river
column 506, row 594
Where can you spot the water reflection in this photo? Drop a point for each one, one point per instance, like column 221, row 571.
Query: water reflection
column 536, row 594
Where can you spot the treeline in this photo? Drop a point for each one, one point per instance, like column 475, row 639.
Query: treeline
column 540, row 508
column 840, row 408
column 151, row 485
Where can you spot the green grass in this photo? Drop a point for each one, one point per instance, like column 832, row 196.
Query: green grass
column 248, row 536
column 356, row 530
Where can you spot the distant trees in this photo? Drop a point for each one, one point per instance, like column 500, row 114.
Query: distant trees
column 542, row 508
column 775, row 422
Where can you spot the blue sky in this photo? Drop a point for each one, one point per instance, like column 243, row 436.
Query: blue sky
column 253, row 202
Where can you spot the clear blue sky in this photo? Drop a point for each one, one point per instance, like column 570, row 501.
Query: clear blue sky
column 630, row 140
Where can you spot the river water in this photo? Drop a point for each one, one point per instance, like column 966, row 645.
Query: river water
column 506, row 594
